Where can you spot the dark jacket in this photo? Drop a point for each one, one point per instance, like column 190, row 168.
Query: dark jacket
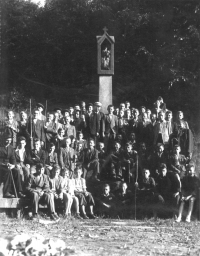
column 35, row 158
column 90, row 156
column 7, row 155
column 34, row 184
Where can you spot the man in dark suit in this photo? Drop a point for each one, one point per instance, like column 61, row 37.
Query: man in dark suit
column 39, row 191
column 50, row 129
column 51, row 158
column 36, row 155
column 9, row 173
column 111, row 128
column 91, row 162
column 37, row 128
column 173, row 130
column 88, row 120
column 97, row 125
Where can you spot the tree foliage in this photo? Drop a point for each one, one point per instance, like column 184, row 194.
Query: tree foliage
column 53, row 53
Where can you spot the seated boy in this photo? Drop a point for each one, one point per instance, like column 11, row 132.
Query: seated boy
column 128, row 163
column 91, row 162
column 177, row 162
column 107, row 202
column 145, row 189
column 190, row 185
column 69, row 198
column 113, row 163
column 39, row 191
column 124, row 200
column 85, row 198
column 55, row 183
column 51, row 158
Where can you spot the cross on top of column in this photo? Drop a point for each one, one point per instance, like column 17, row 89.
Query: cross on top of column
column 105, row 30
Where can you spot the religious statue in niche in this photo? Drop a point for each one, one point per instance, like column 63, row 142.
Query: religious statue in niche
column 105, row 58
column 105, row 54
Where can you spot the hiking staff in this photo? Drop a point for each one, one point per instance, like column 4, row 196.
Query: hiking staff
column 136, row 180
column 31, row 125
column 129, row 172
column 46, row 109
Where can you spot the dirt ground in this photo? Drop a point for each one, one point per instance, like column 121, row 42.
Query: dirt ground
column 113, row 236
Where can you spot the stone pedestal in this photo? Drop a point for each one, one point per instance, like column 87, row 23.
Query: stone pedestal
column 105, row 92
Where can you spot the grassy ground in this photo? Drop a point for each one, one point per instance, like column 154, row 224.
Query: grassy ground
column 113, row 236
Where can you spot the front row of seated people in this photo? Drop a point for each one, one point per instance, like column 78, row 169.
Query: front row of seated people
column 23, row 175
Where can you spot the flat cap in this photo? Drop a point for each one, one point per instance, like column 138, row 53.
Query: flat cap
column 40, row 105
column 97, row 104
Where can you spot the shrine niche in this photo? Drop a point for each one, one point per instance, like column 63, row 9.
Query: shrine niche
column 105, row 54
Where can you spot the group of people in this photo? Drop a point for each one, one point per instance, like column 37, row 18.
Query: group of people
column 52, row 158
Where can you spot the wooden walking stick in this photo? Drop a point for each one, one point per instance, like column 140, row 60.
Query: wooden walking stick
column 136, row 180
column 31, row 125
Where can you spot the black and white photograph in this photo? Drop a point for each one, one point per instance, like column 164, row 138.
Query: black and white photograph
column 99, row 127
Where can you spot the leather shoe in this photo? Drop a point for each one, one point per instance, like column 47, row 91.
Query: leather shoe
column 77, row 216
column 54, row 217
column 92, row 216
column 34, row 217
column 85, row 217
column 8, row 195
column 21, row 195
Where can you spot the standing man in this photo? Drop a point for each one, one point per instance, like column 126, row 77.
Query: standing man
column 97, row 123
column 37, row 128
column 50, row 129
column 111, row 128
column 40, row 108
column 88, row 120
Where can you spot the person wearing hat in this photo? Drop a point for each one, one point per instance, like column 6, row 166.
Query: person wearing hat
column 65, row 113
column 97, row 124
column 10, row 174
column 189, row 192
column 40, row 108
column 37, row 127
column 58, row 113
